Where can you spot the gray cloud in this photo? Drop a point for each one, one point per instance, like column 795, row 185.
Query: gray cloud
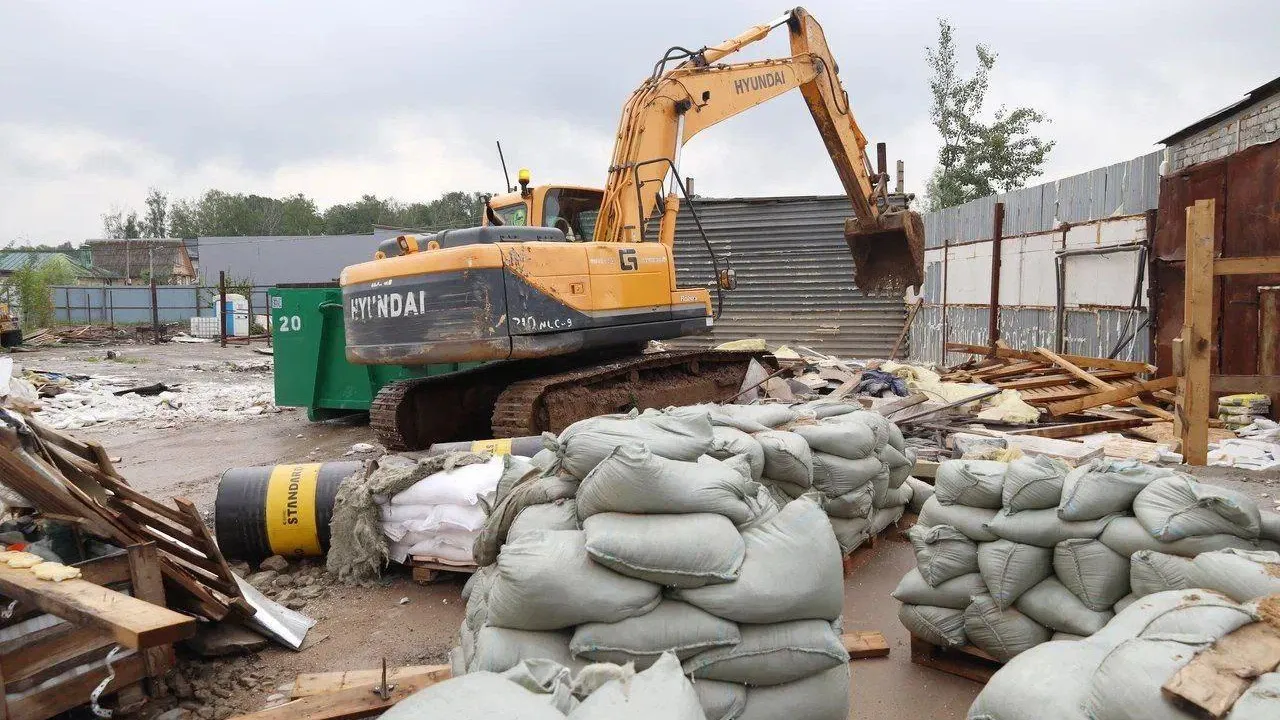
column 336, row 99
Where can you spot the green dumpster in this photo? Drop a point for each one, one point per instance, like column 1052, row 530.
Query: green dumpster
column 311, row 368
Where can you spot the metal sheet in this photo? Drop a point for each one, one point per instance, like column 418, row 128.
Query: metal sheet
column 795, row 276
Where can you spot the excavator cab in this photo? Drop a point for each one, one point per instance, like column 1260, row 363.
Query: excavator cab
column 571, row 209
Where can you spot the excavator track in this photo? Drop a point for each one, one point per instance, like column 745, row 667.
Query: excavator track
column 519, row 398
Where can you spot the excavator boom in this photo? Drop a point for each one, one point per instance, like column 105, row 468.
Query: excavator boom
column 674, row 105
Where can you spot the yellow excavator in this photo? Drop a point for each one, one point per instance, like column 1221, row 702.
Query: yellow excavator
column 565, row 285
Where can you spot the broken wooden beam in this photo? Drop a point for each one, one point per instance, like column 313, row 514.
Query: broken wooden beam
column 1080, row 360
column 1218, row 676
column 319, row 683
column 351, row 703
column 1110, row 397
column 1082, row 428
column 865, row 644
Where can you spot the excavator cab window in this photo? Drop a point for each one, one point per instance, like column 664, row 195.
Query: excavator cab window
column 572, row 211
column 517, row 214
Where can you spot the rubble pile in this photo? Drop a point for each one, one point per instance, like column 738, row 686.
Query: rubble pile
column 1011, row 555
column 629, row 538
column 293, row 586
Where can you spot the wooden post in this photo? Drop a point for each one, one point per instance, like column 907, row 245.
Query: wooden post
column 906, row 326
column 1191, row 422
column 155, row 315
column 148, row 584
column 221, row 315
column 997, row 235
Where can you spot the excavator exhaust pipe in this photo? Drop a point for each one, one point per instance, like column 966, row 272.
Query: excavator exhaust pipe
column 889, row 255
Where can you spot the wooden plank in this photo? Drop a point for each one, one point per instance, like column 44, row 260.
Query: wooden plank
column 37, row 652
column 308, row 684
column 967, row 661
column 60, row 697
column 1018, row 368
column 1198, row 333
column 210, row 546
column 147, row 581
column 127, row 493
column 906, row 327
column 1080, row 360
column 1073, row 453
column 865, row 644
column 356, row 702
column 1265, row 384
column 1100, row 384
column 1263, row 265
column 134, row 623
column 1056, row 379
column 1217, row 677
column 1111, row 397
column 1081, row 428
column 909, row 401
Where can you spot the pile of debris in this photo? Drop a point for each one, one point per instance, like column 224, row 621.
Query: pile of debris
column 79, row 335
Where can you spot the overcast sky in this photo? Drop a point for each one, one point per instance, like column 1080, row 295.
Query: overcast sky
column 99, row 101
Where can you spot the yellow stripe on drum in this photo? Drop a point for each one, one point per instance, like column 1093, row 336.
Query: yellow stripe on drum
column 291, row 510
column 499, row 446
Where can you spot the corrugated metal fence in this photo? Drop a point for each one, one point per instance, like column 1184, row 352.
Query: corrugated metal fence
column 795, row 275
column 129, row 305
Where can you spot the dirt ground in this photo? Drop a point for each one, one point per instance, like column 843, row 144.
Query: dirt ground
column 401, row 621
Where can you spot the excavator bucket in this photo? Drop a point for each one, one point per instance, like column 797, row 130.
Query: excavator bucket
column 889, row 255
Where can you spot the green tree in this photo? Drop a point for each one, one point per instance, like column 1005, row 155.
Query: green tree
column 977, row 158
column 153, row 223
column 31, row 286
column 182, row 220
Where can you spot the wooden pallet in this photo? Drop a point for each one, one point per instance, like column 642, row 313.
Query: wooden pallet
column 965, row 661
column 430, row 570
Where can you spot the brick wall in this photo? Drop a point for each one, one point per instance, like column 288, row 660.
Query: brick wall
column 1254, row 125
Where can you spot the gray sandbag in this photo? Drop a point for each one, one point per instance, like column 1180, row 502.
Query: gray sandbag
column 1126, row 535
column 824, row 408
column 476, row 592
column 1051, row 604
column 940, row 626
column 787, row 457
column 559, row 515
column 972, row 483
column 516, row 469
column 955, row 593
column 475, row 696
column 1126, row 685
column 585, row 443
column 547, row 581
column 792, row 571
column 662, row 691
column 552, row 682
column 895, row 497
column 834, row 475
column 1033, row 483
column 942, row 553
column 1151, row 572
column 720, row 700
column 1043, row 527
column 747, row 417
column 824, row 696
column 728, row 442
column 673, row 550
column 1269, row 526
column 1260, row 702
column 969, row 520
column 852, row 441
column 880, row 426
column 772, row 654
column 1239, row 574
column 1001, row 633
column 1104, row 487
column 1194, row 612
column 1176, row 507
column 883, row 518
column 897, row 440
column 1046, row 682
column 899, row 463
column 545, row 459
column 855, row 504
column 1009, row 569
column 784, row 492
column 1059, row 636
column 921, row 491
column 1093, row 572
column 673, row 626
column 634, row 480
column 1124, row 602
column 500, row 649
column 850, row 532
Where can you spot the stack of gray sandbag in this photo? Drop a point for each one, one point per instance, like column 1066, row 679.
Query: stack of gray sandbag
column 546, row 690
column 641, row 543
column 1011, row 555
column 857, row 460
column 1118, row 671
